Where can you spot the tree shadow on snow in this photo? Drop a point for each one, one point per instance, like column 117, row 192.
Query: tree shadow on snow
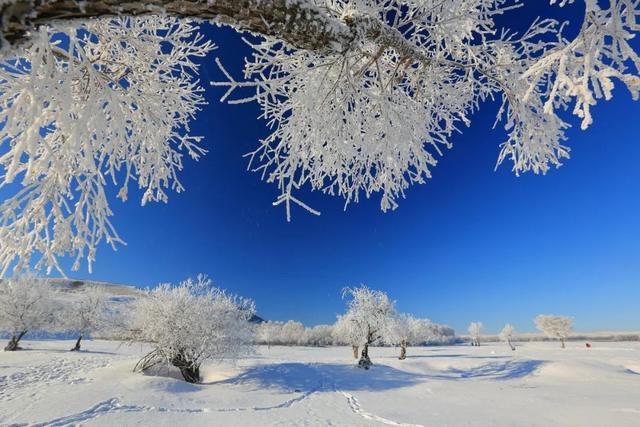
column 466, row 356
column 328, row 377
column 498, row 370
column 305, row 377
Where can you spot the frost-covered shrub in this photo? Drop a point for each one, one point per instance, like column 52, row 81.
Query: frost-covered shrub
column 190, row 323
column 26, row 304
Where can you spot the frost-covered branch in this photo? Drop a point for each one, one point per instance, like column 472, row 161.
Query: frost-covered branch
column 374, row 116
column 81, row 107
column 361, row 97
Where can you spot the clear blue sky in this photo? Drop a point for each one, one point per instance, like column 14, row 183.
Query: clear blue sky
column 471, row 244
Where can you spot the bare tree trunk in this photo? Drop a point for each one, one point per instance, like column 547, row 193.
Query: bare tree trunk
column 354, row 348
column 14, row 341
column 562, row 342
column 189, row 370
column 513, row 347
column 403, row 350
column 364, row 361
column 77, row 346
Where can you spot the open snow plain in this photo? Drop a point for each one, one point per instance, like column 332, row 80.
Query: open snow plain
column 537, row 385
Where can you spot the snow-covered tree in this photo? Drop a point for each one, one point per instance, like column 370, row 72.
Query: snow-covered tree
column 86, row 313
column 403, row 332
column 506, row 335
column 26, row 304
column 361, row 97
column 557, row 327
column 369, row 319
column 190, row 323
column 475, row 329
column 344, row 332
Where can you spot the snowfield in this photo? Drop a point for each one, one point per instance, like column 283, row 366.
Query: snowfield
column 537, row 385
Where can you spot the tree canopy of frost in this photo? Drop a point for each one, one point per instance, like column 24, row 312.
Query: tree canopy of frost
column 360, row 97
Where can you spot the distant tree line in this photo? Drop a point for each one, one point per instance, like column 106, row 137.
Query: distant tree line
column 192, row 322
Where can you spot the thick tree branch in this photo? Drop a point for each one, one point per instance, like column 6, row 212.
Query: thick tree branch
column 300, row 23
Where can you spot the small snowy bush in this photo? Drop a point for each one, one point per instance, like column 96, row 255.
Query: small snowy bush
column 190, row 323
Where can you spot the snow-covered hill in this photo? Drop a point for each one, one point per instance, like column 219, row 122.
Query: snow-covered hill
column 116, row 291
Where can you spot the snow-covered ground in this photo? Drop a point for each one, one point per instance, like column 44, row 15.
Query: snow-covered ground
column 538, row 384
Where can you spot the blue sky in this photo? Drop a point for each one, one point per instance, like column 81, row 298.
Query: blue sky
column 471, row 244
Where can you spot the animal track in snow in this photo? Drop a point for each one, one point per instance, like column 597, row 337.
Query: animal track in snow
column 57, row 370
column 355, row 407
column 113, row 405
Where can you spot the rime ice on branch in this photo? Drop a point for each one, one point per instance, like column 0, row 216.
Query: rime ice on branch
column 369, row 320
column 360, row 96
column 82, row 107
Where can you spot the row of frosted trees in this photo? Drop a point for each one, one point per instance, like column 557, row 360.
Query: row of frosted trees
column 293, row 333
column 554, row 327
column 193, row 321
column 184, row 324
column 29, row 304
